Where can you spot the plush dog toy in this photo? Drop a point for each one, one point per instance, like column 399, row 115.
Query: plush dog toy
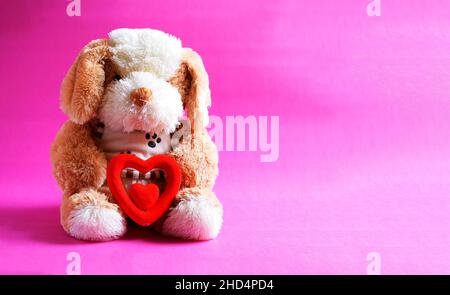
column 128, row 94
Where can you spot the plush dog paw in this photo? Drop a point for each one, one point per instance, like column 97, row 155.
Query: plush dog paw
column 195, row 217
column 93, row 218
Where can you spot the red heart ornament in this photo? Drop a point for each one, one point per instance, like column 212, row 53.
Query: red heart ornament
column 144, row 195
column 143, row 203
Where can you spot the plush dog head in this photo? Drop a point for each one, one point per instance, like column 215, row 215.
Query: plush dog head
column 138, row 79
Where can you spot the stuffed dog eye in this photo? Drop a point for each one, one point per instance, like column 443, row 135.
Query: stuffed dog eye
column 117, row 77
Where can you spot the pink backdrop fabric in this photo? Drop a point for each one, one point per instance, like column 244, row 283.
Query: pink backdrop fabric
column 364, row 141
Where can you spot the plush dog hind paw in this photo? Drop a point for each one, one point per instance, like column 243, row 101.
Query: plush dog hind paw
column 96, row 224
column 96, row 221
column 194, row 218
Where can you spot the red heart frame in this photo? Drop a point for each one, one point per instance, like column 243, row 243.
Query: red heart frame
column 173, row 182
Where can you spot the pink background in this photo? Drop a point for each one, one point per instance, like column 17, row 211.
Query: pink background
column 364, row 160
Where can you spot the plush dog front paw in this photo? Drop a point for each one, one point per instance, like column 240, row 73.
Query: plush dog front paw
column 90, row 216
column 198, row 215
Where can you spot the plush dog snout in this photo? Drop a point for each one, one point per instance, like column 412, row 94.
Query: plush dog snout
column 140, row 96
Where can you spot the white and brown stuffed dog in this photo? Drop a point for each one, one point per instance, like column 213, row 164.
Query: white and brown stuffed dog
column 128, row 94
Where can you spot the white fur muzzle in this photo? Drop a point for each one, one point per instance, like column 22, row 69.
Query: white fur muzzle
column 160, row 114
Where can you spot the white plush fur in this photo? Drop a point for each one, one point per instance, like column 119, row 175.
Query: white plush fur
column 194, row 218
column 146, row 50
column 96, row 223
column 160, row 114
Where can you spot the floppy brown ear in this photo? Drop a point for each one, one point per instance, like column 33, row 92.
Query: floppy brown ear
column 193, row 84
column 82, row 88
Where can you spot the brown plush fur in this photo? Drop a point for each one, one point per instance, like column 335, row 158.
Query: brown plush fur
column 198, row 162
column 82, row 89
column 77, row 161
column 199, row 85
column 79, row 166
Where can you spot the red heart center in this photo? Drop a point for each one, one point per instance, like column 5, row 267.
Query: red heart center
column 143, row 203
column 144, row 195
